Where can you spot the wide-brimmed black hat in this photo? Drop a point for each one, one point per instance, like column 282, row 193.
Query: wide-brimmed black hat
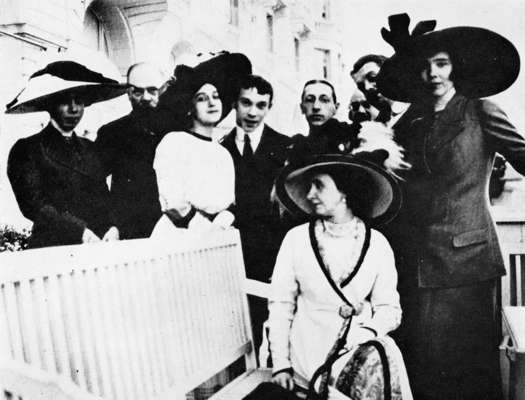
column 49, row 85
column 369, row 183
column 484, row 63
column 224, row 71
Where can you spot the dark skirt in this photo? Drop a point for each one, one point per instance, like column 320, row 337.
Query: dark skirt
column 449, row 338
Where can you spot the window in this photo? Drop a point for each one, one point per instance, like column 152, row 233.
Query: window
column 234, row 12
column 323, row 63
column 95, row 33
column 297, row 53
column 325, row 12
column 269, row 24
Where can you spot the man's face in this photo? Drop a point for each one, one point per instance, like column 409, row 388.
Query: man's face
column 365, row 79
column 145, row 81
column 68, row 112
column 360, row 109
column 251, row 108
column 317, row 104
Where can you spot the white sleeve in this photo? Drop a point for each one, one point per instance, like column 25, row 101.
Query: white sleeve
column 169, row 165
column 281, row 304
column 386, row 310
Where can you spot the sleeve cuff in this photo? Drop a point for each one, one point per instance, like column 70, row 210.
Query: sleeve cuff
column 178, row 220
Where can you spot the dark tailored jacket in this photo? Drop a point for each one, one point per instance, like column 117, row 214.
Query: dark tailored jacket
column 60, row 186
column 444, row 235
column 127, row 149
column 256, row 215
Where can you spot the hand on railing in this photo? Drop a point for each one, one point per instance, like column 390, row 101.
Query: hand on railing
column 223, row 220
column 89, row 236
column 111, row 235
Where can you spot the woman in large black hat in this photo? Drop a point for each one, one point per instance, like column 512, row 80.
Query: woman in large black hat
column 444, row 239
column 195, row 174
column 336, row 277
column 56, row 176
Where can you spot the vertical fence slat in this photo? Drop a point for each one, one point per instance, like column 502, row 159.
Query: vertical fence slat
column 46, row 345
column 15, row 332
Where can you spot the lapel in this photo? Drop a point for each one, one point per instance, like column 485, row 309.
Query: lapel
column 74, row 156
column 265, row 144
column 449, row 123
column 269, row 156
column 229, row 143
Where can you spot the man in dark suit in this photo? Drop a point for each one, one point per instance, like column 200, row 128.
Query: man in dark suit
column 127, row 148
column 326, row 134
column 258, row 154
column 56, row 176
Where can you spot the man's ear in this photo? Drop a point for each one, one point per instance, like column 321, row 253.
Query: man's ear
column 303, row 111
column 336, row 106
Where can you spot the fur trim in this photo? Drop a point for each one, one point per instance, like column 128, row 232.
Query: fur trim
column 376, row 136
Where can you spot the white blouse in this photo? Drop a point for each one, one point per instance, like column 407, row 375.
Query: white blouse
column 304, row 309
column 193, row 171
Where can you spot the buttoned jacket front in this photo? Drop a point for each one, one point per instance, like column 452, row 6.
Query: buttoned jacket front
column 444, row 235
column 60, row 185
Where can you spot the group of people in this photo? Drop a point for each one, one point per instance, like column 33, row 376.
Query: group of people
column 363, row 229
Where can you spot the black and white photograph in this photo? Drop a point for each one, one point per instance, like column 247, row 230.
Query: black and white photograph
column 262, row 200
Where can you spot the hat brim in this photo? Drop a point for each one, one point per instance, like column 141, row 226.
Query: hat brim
column 224, row 71
column 293, row 184
column 484, row 63
column 90, row 93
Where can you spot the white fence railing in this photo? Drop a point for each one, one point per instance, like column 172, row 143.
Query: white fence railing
column 511, row 234
column 127, row 320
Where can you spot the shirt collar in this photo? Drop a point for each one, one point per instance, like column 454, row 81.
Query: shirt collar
column 255, row 135
column 62, row 132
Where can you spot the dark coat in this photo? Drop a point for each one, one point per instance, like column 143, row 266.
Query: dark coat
column 60, row 186
column 256, row 215
column 127, row 149
column 444, row 235
column 333, row 137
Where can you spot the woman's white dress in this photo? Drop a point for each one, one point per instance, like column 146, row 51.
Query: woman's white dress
column 193, row 171
column 304, row 308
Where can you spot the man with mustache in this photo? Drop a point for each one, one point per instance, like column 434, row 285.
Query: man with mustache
column 127, row 148
column 364, row 73
column 56, row 176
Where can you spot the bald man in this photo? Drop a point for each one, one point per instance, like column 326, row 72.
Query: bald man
column 127, row 147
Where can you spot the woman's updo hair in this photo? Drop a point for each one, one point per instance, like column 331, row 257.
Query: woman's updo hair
column 355, row 185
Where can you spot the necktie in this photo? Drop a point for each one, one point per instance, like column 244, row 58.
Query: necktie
column 247, row 151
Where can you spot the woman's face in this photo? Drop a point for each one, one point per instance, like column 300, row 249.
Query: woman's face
column 207, row 105
column 436, row 74
column 324, row 196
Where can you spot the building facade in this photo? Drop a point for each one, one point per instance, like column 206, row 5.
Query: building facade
column 288, row 42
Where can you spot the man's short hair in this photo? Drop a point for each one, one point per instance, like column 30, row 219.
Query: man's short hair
column 324, row 81
column 257, row 82
column 375, row 58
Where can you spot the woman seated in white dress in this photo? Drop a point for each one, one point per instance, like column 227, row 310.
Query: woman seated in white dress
column 195, row 175
column 336, row 277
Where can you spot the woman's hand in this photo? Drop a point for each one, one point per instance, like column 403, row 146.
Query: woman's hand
column 223, row 220
column 88, row 236
column 284, row 379
column 111, row 235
